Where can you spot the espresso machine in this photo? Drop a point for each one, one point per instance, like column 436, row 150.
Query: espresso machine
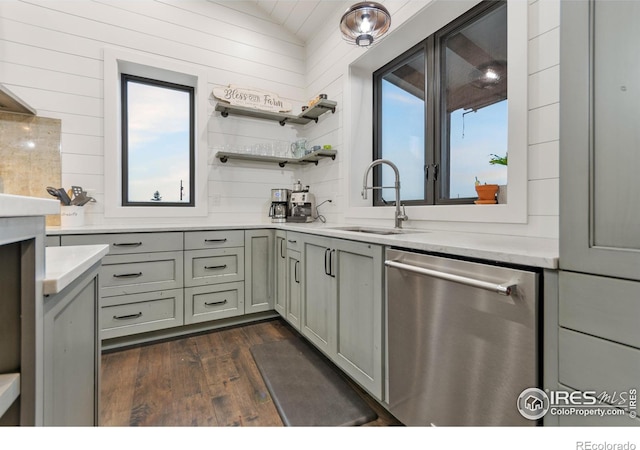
column 302, row 204
column 279, row 210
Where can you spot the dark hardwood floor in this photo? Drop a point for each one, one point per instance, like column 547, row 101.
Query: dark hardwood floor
column 203, row 380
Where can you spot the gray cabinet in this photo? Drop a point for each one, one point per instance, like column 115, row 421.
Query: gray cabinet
column 206, row 303
column 127, row 315
column 72, row 354
column 294, row 288
column 215, row 269
column 259, row 270
column 280, row 252
column 23, row 269
column 358, row 269
column 288, row 276
column 222, row 265
column 319, row 294
column 599, row 281
column 127, row 243
column 342, row 308
column 599, row 139
column 52, row 241
column 141, row 281
column 157, row 282
column 140, row 272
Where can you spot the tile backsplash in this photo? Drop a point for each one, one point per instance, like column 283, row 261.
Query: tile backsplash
column 30, row 156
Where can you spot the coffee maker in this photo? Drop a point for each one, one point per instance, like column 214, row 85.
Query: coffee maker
column 302, row 204
column 279, row 210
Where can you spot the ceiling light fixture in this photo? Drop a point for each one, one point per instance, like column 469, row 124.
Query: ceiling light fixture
column 364, row 22
column 488, row 75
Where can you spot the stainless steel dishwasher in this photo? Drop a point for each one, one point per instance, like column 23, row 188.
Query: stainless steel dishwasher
column 462, row 340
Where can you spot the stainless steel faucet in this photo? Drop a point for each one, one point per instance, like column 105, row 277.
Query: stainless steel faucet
column 400, row 214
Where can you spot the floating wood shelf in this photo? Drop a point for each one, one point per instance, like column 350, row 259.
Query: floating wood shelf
column 304, row 117
column 307, row 159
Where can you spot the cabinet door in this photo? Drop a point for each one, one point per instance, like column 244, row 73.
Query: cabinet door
column 258, row 251
column 294, row 275
column 71, row 354
column 599, row 138
column 319, row 293
column 359, row 273
column 281, row 272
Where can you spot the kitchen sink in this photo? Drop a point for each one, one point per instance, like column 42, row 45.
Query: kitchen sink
column 381, row 231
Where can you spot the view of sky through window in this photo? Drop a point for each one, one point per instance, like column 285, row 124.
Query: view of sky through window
column 158, row 143
column 403, row 141
column 473, row 138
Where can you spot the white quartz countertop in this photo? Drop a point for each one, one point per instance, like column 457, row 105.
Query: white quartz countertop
column 520, row 250
column 9, row 390
column 20, row 206
column 65, row 264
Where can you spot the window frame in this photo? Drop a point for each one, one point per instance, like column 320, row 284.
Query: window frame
column 124, row 79
column 436, row 149
column 117, row 61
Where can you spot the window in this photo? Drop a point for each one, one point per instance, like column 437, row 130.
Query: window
column 116, row 63
column 440, row 111
column 158, row 155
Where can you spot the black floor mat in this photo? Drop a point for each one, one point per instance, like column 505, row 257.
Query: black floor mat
column 306, row 390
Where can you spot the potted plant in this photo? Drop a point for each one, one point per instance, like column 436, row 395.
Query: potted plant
column 502, row 161
column 486, row 193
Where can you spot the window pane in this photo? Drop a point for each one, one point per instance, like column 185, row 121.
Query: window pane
column 158, row 144
column 403, row 124
column 474, row 122
column 473, row 138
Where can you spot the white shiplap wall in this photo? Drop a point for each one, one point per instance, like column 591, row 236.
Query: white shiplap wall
column 50, row 55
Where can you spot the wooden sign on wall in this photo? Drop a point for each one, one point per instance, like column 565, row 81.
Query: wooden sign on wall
column 251, row 98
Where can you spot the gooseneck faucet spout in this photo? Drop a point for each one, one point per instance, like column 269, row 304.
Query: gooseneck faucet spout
column 400, row 215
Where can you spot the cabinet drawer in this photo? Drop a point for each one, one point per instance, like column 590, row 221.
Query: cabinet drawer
column 124, row 243
column 139, row 313
column 198, row 240
column 204, row 303
column 294, row 241
column 52, row 241
column 590, row 363
column 585, row 300
column 223, row 265
column 132, row 274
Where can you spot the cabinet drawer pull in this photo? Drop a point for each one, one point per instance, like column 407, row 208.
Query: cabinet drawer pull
column 327, row 265
column 292, row 241
column 215, row 240
column 127, row 275
column 127, row 244
column 129, row 316
column 223, row 302
column 224, row 266
column 332, row 273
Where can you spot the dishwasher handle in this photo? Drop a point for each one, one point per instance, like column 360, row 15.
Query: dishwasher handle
column 506, row 290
